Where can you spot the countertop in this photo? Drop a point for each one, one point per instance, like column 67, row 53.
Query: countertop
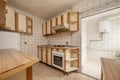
column 111, row 69
column 13, row 61
column 54, row 46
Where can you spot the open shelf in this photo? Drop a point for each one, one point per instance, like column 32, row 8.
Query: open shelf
column 71, row 69
column 72, row 59
column 73, row 22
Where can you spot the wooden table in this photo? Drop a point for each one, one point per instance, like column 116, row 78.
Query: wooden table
column 13, row 61
column 110, row 69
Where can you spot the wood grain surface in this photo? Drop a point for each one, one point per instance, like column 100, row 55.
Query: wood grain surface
column 111, row 69
column 11, row 58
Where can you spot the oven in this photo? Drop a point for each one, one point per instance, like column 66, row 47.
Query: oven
column 58, row 59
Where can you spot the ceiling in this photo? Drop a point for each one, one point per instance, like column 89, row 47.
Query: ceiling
column 44, row 9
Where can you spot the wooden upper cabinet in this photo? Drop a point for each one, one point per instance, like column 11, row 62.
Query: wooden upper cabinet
column 21, row 23
column 44, row 29
column 65, row 18
column 74, row 21
column 54, row 23
column 49, row 27
column 29, row 25
column 59, row 19
column 69, row 18
column 2, row 12
column 10, row 19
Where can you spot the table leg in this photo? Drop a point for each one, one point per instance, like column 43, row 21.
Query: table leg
column 29, row 73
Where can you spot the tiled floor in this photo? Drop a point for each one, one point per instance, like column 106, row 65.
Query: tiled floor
column 44, row 72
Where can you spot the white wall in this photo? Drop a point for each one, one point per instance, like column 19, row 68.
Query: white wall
column 93, row 43
column 9, row 40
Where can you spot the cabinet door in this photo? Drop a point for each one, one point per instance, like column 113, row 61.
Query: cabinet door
column 44, row 54
column 21, row 23
column 49, row 27
column 74, row 21
column 65, row 18
column 10, row 19
column 40, row 53
column 29, row 25
column 44, row 29
column 59, row 20
column 2, row 12
column 53, row 24
column 49, row 56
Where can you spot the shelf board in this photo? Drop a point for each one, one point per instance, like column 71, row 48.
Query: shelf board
column 72, row 59
column 71, row 69
column 73, row 22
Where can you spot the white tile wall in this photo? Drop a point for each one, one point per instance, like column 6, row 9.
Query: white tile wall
column 85, row 7
column 32, row 40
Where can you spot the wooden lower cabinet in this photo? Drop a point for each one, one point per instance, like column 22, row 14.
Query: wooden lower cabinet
column 49, row 56
column 44, row 54
column 71, row 57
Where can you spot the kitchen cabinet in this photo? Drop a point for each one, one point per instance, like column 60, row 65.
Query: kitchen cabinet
column 40, row 53
column 74, row 21
column 49, row 56
column 10, row 19
column 54, row 23
column 69, row 20
column 29, row 29
column 65, row 18
column 70, row 57
column 49, row 28
column 2, row 12
column 59, row 19
column 44, row 55
column 21, row 23
column 72, row 60
column 44, row 29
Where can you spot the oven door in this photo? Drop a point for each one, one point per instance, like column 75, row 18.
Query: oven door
column 58, row 59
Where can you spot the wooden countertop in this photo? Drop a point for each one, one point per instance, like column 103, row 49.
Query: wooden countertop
column 111, row 69
column 13, row 61
column 52, row 46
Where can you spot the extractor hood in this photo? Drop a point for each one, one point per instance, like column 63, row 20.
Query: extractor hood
column 61, row 27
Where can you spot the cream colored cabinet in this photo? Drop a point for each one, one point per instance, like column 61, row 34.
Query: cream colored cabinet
column 40, row 53
column 71, row 60
column 29, row 26
column 44, row 55
column 21, row 23
column 65, row 18
column 49, row 56
column 44, row 29
column 10, row 19
column 49, row 28
column 74, row 21
column 59, row 19
column 54, row 23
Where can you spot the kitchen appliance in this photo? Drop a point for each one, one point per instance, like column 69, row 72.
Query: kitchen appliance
column 58, row 59
column 61, row 27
